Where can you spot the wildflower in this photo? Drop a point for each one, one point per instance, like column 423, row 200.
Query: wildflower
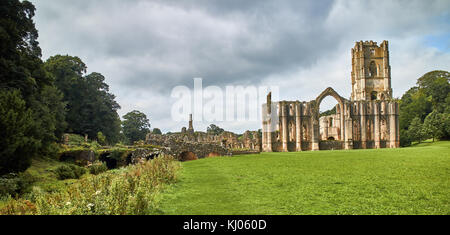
column 68, row 203
column 90, row 205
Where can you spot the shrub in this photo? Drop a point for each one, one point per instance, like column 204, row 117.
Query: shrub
column 130, row 190
column 70, row 172
column 12, row 184
column 97, row 168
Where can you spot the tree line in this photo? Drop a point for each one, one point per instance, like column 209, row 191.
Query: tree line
column 425, row 109
column 39, row 101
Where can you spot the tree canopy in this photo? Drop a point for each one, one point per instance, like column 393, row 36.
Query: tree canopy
column 135, row 126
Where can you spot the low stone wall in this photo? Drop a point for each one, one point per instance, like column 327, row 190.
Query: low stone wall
column 331, row 145
column 245, row 152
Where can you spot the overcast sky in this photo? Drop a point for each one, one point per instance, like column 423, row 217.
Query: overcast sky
column 145, row 48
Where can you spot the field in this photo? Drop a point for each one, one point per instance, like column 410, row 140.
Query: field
column 414, row 180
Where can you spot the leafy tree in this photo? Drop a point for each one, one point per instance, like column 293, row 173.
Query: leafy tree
column 135, row 126
column 214, row 130
column 416, row 130
column 91, row 108
column 22, row 71
column 414, row 103
column 436, row 86
column 434, row 125
column 157, row 131
column 101, row 138
column 18, row 145
column 329, row 112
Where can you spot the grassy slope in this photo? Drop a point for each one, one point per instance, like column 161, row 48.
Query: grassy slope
column 412, row 180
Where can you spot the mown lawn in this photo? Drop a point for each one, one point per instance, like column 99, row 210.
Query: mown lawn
column 414, row 180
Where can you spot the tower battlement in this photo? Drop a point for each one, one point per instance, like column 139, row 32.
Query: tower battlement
column 371, row 71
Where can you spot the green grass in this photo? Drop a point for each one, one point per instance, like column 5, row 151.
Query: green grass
column 413, row 180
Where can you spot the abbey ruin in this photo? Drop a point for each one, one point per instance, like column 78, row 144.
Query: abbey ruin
column 368, row 120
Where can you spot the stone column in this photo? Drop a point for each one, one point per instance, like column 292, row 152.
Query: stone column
column 393, row 125
column 315, row 129
column 363, row 125
column 376, row 128
column 298, row 127
column 264, row 130
column 348, row 127
column 284, row 135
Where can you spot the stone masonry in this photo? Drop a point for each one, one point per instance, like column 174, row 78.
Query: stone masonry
column 368, row 120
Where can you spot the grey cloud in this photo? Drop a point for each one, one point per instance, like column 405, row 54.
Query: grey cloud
column 148, row 47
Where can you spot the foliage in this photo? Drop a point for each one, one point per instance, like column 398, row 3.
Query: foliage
column 15, row 184
column 416, row 131
column 22, row 72
column 135, row 126
column 101, row 138
column 131, row 190
column 432, row 94
column 18, row 144
column 328, row 112
column 214, row 130
column 97, row 168
column 436, row 85
column 91, row 108
column 156, row 131
column 405, row 139
column 70, row 172
column 434, row 125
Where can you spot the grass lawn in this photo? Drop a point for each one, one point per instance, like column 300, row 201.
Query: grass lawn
column 414, row 180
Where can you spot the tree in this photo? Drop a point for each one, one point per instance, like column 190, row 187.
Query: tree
column 214, row 130
column 416, row 130
column 156, row 131
column 18, row 145
column 22, row 71
column 135, row 126
column 436, row 86
column 434, row 125
column 91, row 108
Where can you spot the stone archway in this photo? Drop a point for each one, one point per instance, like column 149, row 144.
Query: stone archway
column 316, row 115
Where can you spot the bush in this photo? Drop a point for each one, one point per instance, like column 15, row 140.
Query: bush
column 70, row 172
column 405, row 139
column 18, row 143
column 132, row 190
column 12, row 184
column 97, row 168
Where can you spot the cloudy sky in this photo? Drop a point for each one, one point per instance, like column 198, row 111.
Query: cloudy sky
column 146, row 48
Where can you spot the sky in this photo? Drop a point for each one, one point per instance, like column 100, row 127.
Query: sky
column 146, row 48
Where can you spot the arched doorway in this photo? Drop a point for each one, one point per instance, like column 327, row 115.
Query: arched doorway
column 329, row 128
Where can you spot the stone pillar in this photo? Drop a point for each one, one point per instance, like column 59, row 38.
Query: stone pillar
column 348, row 127
column 298, row 127
column 393, row 126
column 376, row 128
column 315, row 128
column 325, row 129
column 284, row 125
column 363, row 126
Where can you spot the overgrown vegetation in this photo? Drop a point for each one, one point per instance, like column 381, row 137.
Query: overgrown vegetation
column 70, row 172
column 131, row 190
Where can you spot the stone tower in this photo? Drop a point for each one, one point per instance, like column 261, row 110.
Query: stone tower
column 371, row 72
column 191, row 127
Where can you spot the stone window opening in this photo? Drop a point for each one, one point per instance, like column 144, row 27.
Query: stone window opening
column 373, row 95
column 372, row 69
